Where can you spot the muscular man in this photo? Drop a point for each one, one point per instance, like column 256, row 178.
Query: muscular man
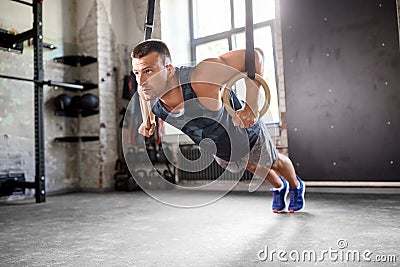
column 189, row 98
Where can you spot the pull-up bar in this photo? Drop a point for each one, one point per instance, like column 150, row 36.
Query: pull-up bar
column 49, row 82
column 22, row 2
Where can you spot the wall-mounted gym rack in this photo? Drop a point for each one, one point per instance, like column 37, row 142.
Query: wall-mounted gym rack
column 12, row 42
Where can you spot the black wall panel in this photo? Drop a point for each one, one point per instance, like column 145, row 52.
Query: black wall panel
column 342, row 80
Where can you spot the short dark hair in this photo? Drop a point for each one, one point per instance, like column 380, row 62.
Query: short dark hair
column 152, row 45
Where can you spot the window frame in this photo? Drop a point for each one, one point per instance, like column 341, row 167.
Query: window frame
column 229, row 35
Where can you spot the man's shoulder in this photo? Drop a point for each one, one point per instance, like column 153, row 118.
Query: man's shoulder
column 184, row 69
column 184, row 73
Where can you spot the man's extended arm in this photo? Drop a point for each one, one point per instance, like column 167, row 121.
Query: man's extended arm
column 220, row 70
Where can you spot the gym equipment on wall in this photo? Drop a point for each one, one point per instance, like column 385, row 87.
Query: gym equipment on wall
column 89, row 102
column 13, row 183
column 49, row 82
column 37, row 35
column 11, row 42
column 63, row 102
column 81, row 105
column 10, row 45
column 77, row 103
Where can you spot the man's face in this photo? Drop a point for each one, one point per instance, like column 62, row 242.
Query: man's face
column 151, row 75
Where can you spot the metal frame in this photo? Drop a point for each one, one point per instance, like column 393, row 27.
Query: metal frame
column 223, row 35
column 40, row 186
column 228, row 35
column 49, row 82
column 23, row 2
column 37, row 35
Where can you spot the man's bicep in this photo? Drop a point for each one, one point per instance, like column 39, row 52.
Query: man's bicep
column 234, row 59
column 213, row 70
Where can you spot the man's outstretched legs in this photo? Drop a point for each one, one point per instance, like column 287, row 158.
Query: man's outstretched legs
column 284, row 167
column 282, row 176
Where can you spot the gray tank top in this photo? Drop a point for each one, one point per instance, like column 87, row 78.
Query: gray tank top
column 201, row 124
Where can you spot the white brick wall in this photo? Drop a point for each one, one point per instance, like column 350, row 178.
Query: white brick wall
column 99, row 39
column 107, row 50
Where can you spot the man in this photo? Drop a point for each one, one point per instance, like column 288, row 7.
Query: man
column 189, row 98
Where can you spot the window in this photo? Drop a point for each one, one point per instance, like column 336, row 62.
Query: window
column 218, row 26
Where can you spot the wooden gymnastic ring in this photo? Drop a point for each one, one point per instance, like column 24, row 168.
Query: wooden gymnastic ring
column 227, row 88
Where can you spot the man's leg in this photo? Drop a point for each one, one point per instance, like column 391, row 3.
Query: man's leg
column 271, row 176
column 280, row 188
column 284, row 167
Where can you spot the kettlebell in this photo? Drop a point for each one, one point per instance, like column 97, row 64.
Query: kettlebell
column 89, row 102
column 76, row 103
column 62, row 102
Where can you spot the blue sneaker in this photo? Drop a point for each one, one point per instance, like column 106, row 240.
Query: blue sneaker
column 297, row 197
column 279, row 202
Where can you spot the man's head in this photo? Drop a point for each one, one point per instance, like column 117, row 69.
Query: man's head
column 152, row 45
column 151, row 64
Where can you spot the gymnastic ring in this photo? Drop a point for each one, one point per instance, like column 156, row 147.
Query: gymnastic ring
column 227, row 88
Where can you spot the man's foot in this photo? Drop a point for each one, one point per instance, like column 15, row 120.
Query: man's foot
column 279, row 201
column 297, row 197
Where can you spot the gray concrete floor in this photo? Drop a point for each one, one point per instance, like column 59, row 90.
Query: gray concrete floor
column 132, row 229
